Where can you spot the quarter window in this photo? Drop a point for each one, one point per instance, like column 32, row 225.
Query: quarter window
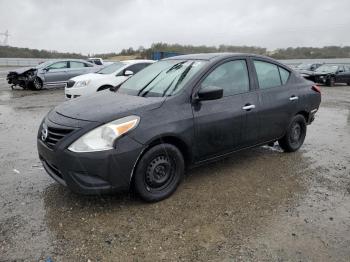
column 231, row 76
column 284, row 75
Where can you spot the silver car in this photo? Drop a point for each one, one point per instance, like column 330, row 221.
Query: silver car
column 53, row 73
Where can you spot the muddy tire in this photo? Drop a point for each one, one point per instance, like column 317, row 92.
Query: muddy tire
column 295, row 135
column 159, row 172
column 37, row 84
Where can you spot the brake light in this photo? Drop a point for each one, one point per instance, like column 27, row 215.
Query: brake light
column 316, row 88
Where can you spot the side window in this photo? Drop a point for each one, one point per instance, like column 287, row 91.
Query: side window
column 137, row 67
column 268, row 74
column 58, row 65
column 231, row 76
column 284, row 74
column 75, row 64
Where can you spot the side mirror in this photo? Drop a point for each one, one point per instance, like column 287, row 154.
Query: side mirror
column 46, row 69
column 128, row 73
column 210, row 93
column 341, row 71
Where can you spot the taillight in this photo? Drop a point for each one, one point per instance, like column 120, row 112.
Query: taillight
column 316, row 88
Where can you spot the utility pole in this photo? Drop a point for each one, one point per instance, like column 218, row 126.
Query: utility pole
column 6, row 38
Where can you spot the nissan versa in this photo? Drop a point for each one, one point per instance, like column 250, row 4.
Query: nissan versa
column 177, row 113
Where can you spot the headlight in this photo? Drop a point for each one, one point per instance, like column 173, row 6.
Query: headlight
column 83, row 83
column 103, row 137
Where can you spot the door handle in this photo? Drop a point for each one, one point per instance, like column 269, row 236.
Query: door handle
column 292, row 98
column 248, row 107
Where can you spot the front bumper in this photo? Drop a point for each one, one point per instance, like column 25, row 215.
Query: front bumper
column 95, row 172
column 74, row 92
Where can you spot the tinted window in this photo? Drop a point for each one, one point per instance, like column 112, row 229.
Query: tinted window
column 284, row 75
column 58, row 65
column 268, row 74
column 137, row 67
column 232, row 77
column 74, row 64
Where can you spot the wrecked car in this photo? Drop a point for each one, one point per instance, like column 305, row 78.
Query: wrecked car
column 330, row 74
column 53, row 73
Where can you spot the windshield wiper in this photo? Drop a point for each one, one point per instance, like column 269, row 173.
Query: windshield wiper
column 181, row 78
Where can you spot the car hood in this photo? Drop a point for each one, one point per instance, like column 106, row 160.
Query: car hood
column 107, row 105
column 90, row 76
column 22, row 70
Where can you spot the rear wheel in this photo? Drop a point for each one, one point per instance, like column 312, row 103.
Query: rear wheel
column 159, row 172
column 37, row 83
column 295, row 135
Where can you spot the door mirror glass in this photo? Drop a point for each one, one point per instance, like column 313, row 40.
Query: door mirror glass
column 210, row 93
column 128, row 73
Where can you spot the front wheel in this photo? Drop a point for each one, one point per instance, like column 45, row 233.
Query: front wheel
column 330, row 81
column 295, row 135
column 159, row 172
column 37, row 83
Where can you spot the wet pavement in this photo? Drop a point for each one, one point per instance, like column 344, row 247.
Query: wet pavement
column 258, row 205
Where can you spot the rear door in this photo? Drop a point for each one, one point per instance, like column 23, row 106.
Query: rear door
column 76, row 68
column 219, row 124
column 343, row 74
column 277, row 99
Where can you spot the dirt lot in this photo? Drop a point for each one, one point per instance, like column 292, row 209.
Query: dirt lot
column 260, row 204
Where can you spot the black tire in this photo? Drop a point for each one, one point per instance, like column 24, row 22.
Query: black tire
column 159, row 172
column 295, row 135
column 330, row 81
column 37, row 84
column 103, row 88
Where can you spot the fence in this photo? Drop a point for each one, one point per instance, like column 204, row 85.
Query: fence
column 19, row 62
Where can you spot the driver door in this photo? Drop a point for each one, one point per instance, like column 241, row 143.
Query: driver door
column 219, row 124
column 56, row 73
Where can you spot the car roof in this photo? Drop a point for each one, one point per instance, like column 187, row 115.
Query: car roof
column 210, row 56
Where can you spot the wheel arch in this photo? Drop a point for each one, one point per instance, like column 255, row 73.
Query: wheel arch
column 168, row 139
column 103, row 87
column 305, row 114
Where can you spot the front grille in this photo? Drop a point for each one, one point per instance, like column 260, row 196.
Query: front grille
column 70, row 83
column 55, row 134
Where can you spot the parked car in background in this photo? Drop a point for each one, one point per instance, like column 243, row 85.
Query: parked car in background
column 53, row 73
column 107, row 77
column 329, row 74
column 176, row 113
column 307, row 67
column 98, row 61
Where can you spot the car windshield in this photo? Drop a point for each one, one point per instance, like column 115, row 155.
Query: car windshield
column 111, row 68
column 327, row 68
column 164, row 78
column 45, row 64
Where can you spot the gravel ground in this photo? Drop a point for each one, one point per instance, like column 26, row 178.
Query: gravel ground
column 258, row 205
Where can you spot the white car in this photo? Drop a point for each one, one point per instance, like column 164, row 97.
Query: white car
column 105, row 78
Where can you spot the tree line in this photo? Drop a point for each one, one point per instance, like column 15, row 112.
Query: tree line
column 141, row 52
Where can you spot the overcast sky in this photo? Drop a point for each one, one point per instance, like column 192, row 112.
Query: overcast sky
column 109, row 25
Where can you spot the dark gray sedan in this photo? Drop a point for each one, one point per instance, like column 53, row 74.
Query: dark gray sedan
column 55, row 73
